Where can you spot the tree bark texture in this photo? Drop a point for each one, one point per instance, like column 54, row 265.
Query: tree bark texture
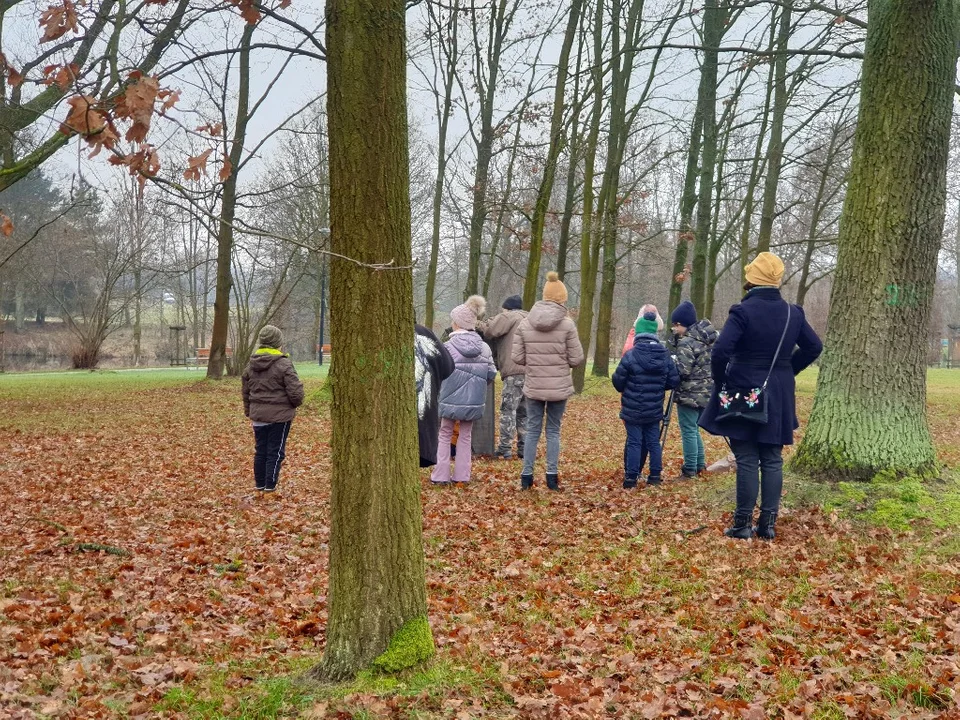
column 532, row 279
column 228, row 209
column 775, row 149
column 688, row 202
column 713, row 20
column 447, row 39
column 377, row 596
column 869, row 415
column 590, row 236
column 609, row 204
column 499, row 26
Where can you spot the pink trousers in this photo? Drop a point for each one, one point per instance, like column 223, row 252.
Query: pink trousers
column 461, row 470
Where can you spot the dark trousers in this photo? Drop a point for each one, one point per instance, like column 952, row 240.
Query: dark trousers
column 642, row 440
column 271, row 443
column 759, row 472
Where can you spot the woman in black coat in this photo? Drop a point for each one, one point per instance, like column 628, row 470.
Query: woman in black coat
column 742, row 357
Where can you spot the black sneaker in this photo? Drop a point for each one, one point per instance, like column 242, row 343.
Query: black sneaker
column 654, row 480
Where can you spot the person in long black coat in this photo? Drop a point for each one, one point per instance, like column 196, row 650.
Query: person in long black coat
column 742, row 357
column 432, row 365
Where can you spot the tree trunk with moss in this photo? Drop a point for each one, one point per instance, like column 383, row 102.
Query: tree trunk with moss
column 377, row 614
column 870, row 410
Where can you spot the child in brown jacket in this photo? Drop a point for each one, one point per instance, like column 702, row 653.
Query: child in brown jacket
column 271, row 393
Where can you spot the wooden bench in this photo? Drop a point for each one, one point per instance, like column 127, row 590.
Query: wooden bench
column 203, row 356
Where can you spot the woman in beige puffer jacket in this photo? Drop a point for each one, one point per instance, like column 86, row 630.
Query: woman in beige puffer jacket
column 547, row 345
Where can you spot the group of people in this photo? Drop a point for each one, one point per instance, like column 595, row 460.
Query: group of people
column 737, row 383
column 534, row 353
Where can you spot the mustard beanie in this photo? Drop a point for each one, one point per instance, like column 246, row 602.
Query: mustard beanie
column 766, row 270
column 554, row 290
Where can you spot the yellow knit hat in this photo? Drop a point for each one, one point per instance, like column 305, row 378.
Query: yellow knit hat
column 766, row 269
column 554, row 290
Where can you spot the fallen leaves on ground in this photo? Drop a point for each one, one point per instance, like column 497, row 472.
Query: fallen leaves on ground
column 592, row 602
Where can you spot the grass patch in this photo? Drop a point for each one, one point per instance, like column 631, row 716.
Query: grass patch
column 885, row 501
column 213, row 698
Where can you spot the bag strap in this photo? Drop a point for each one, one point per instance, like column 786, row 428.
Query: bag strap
column 776, row 355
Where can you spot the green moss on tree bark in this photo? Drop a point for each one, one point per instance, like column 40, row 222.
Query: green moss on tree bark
column 411, row 645
column 377, row 584
column 869, row 414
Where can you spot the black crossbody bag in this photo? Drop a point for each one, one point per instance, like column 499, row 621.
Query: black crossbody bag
column 749, row 403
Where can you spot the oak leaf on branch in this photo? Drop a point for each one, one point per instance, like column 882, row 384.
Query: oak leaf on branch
column 58, row 20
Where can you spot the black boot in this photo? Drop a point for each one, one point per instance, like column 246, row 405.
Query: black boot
column 629, row 483
column 765, row 525
column 654, row 480
column 742, row 526
column 552, row 482
column 526, row 482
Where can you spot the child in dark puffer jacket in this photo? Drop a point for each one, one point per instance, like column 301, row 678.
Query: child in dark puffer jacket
column 272, row 392
column 643, row 376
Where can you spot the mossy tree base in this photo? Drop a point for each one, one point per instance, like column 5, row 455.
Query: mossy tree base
column 847, row 441
column 377, row 568
column 410, row 646
column 869, row 415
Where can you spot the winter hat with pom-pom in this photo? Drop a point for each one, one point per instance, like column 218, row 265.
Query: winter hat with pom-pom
column 653, row 309
column 647, row 324
column 465, row 316
column 554, row 290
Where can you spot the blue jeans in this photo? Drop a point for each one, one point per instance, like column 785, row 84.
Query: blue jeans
column 536, row 409
column 759, row 471
column 694, row 458
column 641, row 441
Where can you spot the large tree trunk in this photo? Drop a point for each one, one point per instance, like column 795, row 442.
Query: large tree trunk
column 532, row 279
column 870, row 410
column 377, row 599
column 228, row 208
